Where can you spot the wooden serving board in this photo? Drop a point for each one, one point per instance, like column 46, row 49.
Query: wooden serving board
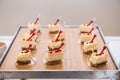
column 74, row 58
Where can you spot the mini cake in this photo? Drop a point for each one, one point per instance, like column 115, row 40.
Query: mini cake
column 54, row 28
column 27, row 35
column 89, row 47
column 24, row 57
column 86, row 37
column 53, row 45
column 97, row 60
column 34, row 27
column 60, row 36
column 26, row 42
column 85, row 28
column 54, row 57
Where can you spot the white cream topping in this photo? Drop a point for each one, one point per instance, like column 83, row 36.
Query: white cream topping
column 25, row 43
column 85, row 28
column 33, row 26
column 53, row 28
column 98, row 59
column 54, row 56
column 61, row 37
column 24, row 56
column 85, row 37
column 90, row 46
column 27, row 35
column 54, row 44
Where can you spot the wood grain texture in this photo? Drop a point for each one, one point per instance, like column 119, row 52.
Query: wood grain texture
column 74, row 58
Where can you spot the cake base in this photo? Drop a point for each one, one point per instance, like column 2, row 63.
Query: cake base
column 32, row 49
column 82, row 43
column 53, row 32
column 38, row 33
column 50, row 49
column 98, row 65
column 53, row 62
column 23, row 62
column 62, row 39
column 90, row 52
column 82, row 32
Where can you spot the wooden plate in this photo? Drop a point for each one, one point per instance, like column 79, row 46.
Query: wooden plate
column 74, row 58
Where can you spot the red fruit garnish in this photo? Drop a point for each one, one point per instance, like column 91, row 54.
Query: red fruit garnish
column 30, row 37
column 60, row 46
column 55, row 51
column 36, row 21
column 27, row 50
column 104, row 47
column 90, row 22
column 58, row 51
column 58, row 35
column 93, row 38
column 90, row 31
column 50, row 52
column 56, row 21
column 33, row 31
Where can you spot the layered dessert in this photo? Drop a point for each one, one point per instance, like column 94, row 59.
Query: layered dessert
column 24, row 43
column 86, row 37
column 98, row 59
column 54, row 57
column 60, row 36
column 54, row 28
column 34, row 27
column 53, row 45
column 89, row 47
column 24, row 57
column 27, row 35
column 85, row 28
